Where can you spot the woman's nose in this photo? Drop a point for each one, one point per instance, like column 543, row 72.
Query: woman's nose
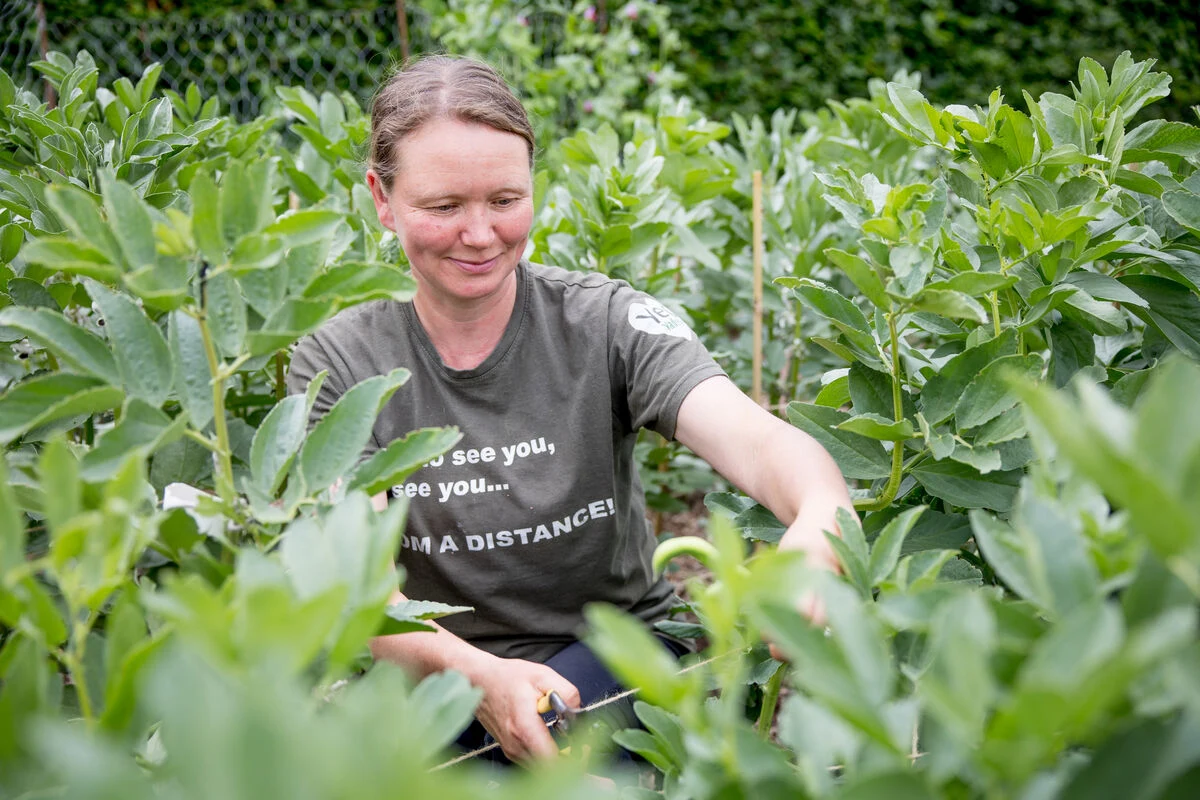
column 478, row 230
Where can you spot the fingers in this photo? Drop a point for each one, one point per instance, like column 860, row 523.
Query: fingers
column 812, row 607
column 566, row 690
column 509, row 709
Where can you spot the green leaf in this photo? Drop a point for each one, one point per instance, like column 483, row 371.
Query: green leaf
column 1091, row 432
column 143, row 428
column 862, row 274
column 875, row 426
column 305, row 226
column 246, row 198
column 1184, row 208
column 857, row 456
column 279, row 437
column 1167, row 432
column 12, row 527
column 964, row 486
column 206, row 219
column 991, row 157
column 226, row 313
column 1105, row 287
column 1174, row 310
column 401, row 458
column 74, row 346
column 142, row 355
column 758, row 524
column 71, row 257
column 44, row 399
column 81, row 214
column 29, row 695
column 192, row 373
column 1072, row 348
column 948, row 303
column 294, row 319
column 130, row 221
column 990, row 393
column 975, row 284
column 59, row 468
column 646, row 746
column 958, row 687
column 911, row 106
column 410, row 615
column 821, row 666
column 1154, row 758
column 447, row 702
column 256, row 251
column 1156, row 138
column 837, row 309
column 31, row 294
column 41, row 611
column 666, row 728
column 942, row 392
column 337, row 441
column 912, row 266
column 351, row 283
column 885, row 551
column 834, row 394
column 937, row 531
column 636, row 658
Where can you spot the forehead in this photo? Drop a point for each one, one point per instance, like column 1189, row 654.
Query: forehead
column 450, row 155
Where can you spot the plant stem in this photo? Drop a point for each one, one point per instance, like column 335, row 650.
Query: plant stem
column 280, row 388
column 893, row 484
column 770, row 700
column 78, row 673
column 995, row 297
column 224, row 460
column 200, row 439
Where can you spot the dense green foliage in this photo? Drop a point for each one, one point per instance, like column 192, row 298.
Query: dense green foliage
column 753, row 58
column 987, row 315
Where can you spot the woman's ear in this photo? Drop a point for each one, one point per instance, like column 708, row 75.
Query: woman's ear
column 383, row 204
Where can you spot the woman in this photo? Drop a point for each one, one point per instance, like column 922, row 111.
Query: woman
column 549, row 374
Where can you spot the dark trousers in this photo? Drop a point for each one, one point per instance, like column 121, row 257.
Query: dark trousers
column 578, row 664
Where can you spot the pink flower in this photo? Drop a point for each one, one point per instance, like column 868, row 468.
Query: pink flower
column 589, row 13
column 523, row 20
column 651, row 77
column 588, row 107
column 630, row 11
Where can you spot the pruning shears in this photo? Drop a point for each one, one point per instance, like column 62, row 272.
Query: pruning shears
column 564, row 716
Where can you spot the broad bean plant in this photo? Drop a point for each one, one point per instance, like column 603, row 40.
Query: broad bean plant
column 988, row 316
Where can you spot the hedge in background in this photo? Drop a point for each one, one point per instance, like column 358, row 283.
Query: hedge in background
column 753, row 59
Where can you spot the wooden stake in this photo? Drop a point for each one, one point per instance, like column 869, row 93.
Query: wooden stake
column 402, row 24
column 756, row 392
column 48, row 95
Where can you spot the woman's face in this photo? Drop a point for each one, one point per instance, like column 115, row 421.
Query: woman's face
column 462, row 205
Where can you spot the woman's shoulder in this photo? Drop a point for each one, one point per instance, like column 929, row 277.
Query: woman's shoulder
column 368, row 320
column 577, row 285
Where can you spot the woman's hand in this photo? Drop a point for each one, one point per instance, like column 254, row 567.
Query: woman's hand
column 511, row 690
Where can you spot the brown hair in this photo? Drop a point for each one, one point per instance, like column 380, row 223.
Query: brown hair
column 440, row 87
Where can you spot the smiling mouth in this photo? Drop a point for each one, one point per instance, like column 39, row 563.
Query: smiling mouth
column 476, row 266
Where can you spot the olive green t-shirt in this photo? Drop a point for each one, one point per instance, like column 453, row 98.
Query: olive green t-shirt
column 538, row 510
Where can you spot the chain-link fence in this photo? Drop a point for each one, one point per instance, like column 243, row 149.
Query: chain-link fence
column 238, row 57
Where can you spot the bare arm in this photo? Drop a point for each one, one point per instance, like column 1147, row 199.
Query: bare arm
column 511, row 687
column 777, row 464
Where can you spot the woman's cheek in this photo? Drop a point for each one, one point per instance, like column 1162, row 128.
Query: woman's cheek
column 517, row 227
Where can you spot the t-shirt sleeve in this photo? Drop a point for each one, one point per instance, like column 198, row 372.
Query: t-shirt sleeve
column 309, row 359
column 655, row 360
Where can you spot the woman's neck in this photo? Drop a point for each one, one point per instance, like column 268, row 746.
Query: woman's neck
column 465, row 334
